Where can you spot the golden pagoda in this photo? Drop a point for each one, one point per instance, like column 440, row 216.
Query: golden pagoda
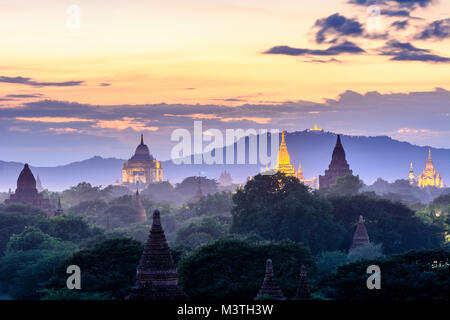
column 284, row 161
column 429, row 176
column 316, row 128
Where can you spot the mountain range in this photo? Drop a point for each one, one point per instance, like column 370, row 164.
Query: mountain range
column 369, row 157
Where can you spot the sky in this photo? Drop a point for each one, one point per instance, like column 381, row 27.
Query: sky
column 87, row 77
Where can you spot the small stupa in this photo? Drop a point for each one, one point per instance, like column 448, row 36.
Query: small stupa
column 303, row 292
column 269, row 287
column 361, row 237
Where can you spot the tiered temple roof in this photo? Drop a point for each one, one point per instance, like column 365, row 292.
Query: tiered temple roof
column 361, row 237
column 303, row 292
column 269, row 286
column 157, row 275
column 338, row 166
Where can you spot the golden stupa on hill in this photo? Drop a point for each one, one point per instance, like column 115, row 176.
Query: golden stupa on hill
column 429, row 177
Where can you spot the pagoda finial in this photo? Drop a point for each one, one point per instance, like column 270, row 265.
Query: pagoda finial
column 282, row 137
column 429, row 153
column 142, row 138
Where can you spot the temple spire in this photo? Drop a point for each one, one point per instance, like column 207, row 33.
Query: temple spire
column 303, row 292
column 269, row 286
column 157, row 275
column 59, row 211
column 142, row 138
column 361, row 237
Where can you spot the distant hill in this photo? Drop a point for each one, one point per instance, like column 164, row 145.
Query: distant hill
column 370, row 157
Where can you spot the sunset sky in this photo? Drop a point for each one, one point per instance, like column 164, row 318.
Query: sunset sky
column 132, row 66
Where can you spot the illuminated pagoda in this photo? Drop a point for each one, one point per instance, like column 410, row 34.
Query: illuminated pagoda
column 141, row 168
column 315, row 129
column 361, row 237
column 27, row 193
column 157, row 274
column 269, row 287
column 429, row 177
column 411, row 175
column 284, row 161
column 338, row 166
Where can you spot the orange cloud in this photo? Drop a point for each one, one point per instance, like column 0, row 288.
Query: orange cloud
column 124, row 123
column 253, row 119
column 53, row 119
column 64, row 130
column 193, row 116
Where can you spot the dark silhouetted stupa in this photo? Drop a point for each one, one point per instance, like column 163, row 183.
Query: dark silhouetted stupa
column 303, row 292
column 338, row 166
column 361, row 237
column 27, row 193
column 157, row 275
column 269, row 287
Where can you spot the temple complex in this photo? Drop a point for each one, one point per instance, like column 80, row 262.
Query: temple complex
column 338, row 166
column 269, row 287
column 411, row 175
column 140, row 207
column 361, row 237
column 141, row 168
column 157, row 275
column 27, row 193
column 303, row 292
column 429, row 177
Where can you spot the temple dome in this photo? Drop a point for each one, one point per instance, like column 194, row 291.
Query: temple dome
column 26, row 180
column 142, row 151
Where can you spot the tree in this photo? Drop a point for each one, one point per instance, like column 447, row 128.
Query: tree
column 346, row 185
column 392, row 224
column 416, row 275
column 234, row 268
column 29, row 262
column 108, row 269
column 84, row 192
column 368, row 251
column 187, row 189
column 207, row 229
column 279, row 207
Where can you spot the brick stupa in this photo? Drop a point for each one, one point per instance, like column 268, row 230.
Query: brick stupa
column 303, row 292
column 157, row 275
column 338, row 166
column 269, row 287
column 361, row 237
